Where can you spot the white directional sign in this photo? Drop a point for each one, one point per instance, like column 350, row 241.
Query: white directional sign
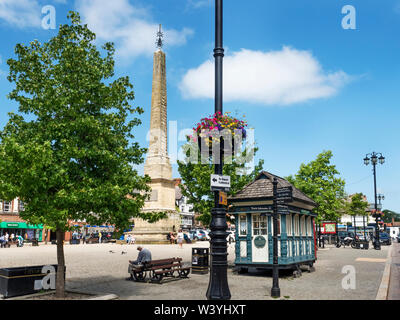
column 220, row 182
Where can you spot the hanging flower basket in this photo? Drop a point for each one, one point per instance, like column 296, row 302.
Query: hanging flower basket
column 217, row 129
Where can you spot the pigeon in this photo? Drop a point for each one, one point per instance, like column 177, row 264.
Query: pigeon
column 111, row 251
column 123, row 252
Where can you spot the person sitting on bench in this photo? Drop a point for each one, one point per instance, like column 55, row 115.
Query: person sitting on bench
column 143, row 256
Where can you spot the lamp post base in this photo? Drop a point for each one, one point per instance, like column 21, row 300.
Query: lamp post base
column 377, row 246
column 218, row 288
column 275, row 292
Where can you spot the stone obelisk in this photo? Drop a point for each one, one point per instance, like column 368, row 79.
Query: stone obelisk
column 157, row 165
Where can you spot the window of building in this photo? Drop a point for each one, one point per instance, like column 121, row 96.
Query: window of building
column 289, row 229
column 21, row 206
column 7, row 206
column 296, row 225
column 303, row 225
column 260, row 225
column 242, row 225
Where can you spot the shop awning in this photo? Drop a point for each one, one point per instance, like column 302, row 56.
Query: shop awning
column 19, row 225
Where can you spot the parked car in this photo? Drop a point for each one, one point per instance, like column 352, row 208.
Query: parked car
column 398, row 238
column 207, row 234
column 384, row 238
column 198, row 235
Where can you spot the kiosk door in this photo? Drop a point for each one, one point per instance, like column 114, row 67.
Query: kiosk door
column 259, row 238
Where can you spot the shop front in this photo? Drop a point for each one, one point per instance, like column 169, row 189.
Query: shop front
column 26, row 230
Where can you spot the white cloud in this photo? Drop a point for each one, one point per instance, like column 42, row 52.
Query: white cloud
column 198, row 3
column 130, row 27
column 2, row 72
column 280, row 77
column 21, row 13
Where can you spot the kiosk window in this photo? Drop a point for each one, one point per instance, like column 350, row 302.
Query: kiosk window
column 242, row 225
column 296, row 225
column 289, row 229
column 303, row 225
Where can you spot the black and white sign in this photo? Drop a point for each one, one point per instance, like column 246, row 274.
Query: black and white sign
column 284, row 195
column 220, row 182
column 281, row 209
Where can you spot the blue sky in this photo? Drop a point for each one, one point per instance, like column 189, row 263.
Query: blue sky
column 304, row 83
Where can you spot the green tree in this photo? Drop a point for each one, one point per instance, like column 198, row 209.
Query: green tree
column 389, row 214
column 320, row 180
column 196, row 179
column 70, row 158
column 357, row 206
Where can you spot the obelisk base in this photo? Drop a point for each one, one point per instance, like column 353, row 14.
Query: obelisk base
column 146, row 232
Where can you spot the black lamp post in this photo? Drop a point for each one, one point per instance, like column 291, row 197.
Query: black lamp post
column 218, row 285
column 381, row 197
column 275, row 291
column 374, row 160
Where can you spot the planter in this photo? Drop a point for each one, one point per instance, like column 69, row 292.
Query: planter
column 19, row 281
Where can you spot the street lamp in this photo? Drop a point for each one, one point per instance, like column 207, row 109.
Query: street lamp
column 374, row 160
column 381, row 197
column 218, row 285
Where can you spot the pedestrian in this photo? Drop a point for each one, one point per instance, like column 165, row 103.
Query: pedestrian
column 132, row 239
column 143, row 256
column 179, row 238
column 20, row 241
column 6, row 238
column 2, row 241
column 171, row 238
column 12, row 237
column 83, row 236
column 99, row 237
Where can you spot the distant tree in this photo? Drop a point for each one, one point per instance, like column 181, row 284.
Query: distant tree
column 70, row 157
column 357, row 206
column 389, row 214
column 320, row 181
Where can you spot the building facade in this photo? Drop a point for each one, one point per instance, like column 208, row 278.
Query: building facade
column 187, row 216
column 12, row 223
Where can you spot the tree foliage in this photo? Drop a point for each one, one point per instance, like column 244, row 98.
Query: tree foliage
column 389, row 214
column 196, row 178
column 69, row 153
column 320, row 181
column 357, row 205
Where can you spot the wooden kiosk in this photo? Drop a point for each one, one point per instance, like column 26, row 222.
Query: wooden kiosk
column 253, row 208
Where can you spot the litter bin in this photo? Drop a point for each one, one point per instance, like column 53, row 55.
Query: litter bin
column 364, row 245
column 200, row 260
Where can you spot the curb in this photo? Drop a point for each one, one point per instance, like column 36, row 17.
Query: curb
column 384, row 287
column 97, row 295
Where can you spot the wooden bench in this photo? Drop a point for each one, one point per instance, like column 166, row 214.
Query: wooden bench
column 159, row 269
column 9, row 244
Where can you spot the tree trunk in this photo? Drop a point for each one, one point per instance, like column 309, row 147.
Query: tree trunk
column 60, row 281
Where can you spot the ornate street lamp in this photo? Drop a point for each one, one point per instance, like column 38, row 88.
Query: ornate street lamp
column 218, row 285
column 381, row 197
column 374, row 160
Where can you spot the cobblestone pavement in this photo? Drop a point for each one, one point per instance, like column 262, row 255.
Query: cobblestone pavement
column 103, row 268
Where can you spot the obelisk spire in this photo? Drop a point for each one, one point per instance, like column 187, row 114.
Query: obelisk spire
column 160, row 35
column 157, row 163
